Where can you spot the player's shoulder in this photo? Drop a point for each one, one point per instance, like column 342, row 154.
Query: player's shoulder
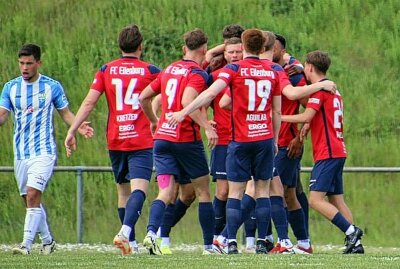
column 13, row 82
column 49, row 80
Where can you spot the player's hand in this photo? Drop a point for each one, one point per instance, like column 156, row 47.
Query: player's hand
column 213, row 124
column 86, row 130
column 328, row 86
column 286, row 58
column 212, row 137
column 294, row 69
column 70, row 144
column 304, row 131
column 295, row 148
column 153, row 127
column 175, row 118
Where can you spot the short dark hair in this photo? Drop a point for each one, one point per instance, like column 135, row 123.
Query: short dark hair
column 253, row 41
column 281, row 40
column 30, row 49
column 232, row 30
column 320, row 60
column 130, row 38
column 195, row 39
column 233, row 41
column 270, row 40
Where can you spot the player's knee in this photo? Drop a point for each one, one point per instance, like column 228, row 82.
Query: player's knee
column 222, row 194
column 33, row 197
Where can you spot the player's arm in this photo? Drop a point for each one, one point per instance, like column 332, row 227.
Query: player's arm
column 200, row 116
column 305, row 117
column 156, row 104
column 225, row 102
column 202, row 100
column 145, row 98
column 211, row 53
column 3, row 115
column 295, row 93
column 276, row 116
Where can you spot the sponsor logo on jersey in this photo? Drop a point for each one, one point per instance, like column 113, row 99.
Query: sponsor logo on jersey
column 313, row 101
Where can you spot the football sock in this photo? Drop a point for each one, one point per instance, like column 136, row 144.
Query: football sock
column 180, row 211
column 279, row 217
column 263, row 214
column 167, row 221
column 350, row 230
column 156, row 214
column 133, row 208
column 32, row 220
column 165, row 241
column 250, row 242
column 296, row 220
column 220, row 215
column 340, row 222
column 121, row 214
column 250, row 224
column 247, row 205
column 233, row 217
column 302, row 197
column 43, row 229
column 206, row 218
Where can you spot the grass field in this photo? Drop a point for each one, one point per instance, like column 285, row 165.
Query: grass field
column 189, row 256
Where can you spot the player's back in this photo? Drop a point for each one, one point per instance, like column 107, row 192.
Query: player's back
column 327, row 125
column 172, row 83
column 123, row 80
column 252, row 86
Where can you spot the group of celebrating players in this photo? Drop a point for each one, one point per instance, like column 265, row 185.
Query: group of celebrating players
column 254, row 89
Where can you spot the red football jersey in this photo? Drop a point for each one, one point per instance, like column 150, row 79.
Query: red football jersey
column 289, row 130
column 327, row 125
column 171, row 83
column 253, row 83
column 122, row 81
column 222, row 117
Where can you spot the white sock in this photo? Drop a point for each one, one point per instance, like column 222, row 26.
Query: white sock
column 231, row 240
column 151, row 234
column 270, row 238
column 221, row 239
column 133, row 244
column 250, row 242
column 350, row 230
column 125, row 230
column 159, row 232
column 358, row 242
column 43, row 229
column 165, row 241
column 304, row 243
column 32, row 220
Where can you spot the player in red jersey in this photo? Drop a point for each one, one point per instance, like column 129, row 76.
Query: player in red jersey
column 178, row 150
column 129, row 137
column 255, row 93
column 324, row 112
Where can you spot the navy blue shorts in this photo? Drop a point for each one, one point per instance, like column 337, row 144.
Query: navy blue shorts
column 127, row 165
column 288, row 169
column 327, row 176
column 250, row 159
column 217, row 162
column 183, row 160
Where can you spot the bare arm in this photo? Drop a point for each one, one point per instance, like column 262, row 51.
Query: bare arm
column 226, row 102
column 214, row 52
column 295, row 93
column 145, row 102
column 305, row 117
column 202, row 100
column 3, row 115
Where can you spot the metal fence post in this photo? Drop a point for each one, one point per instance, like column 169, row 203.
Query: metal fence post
column 79, row 205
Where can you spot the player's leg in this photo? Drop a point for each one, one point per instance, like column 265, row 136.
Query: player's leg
column 48, row 243
column 248, row 206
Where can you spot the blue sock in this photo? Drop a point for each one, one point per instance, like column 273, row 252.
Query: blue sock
column 302, row 197
column 180, row 211
column 206, row 218
column 134, row 207
column 121, row 214
column 247, row 205
column 296, row 220
column 279, row 217
column 233, row 217
column 156, row 214
column 263, row 215
column 220, row 215
column 269, row 230
column 250, row 225
column 167, row 221
column 224, row 232
column 340, row 222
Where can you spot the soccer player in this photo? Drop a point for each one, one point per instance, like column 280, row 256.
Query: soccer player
column 287, row 161
column 324, row 112
column 32, row 98
column 129, row 136
column 178, row 150
column 255, row 93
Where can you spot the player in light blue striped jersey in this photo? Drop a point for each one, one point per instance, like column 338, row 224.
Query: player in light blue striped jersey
column 32, row 98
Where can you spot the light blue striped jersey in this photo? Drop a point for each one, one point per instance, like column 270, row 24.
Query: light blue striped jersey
column 32, row 105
